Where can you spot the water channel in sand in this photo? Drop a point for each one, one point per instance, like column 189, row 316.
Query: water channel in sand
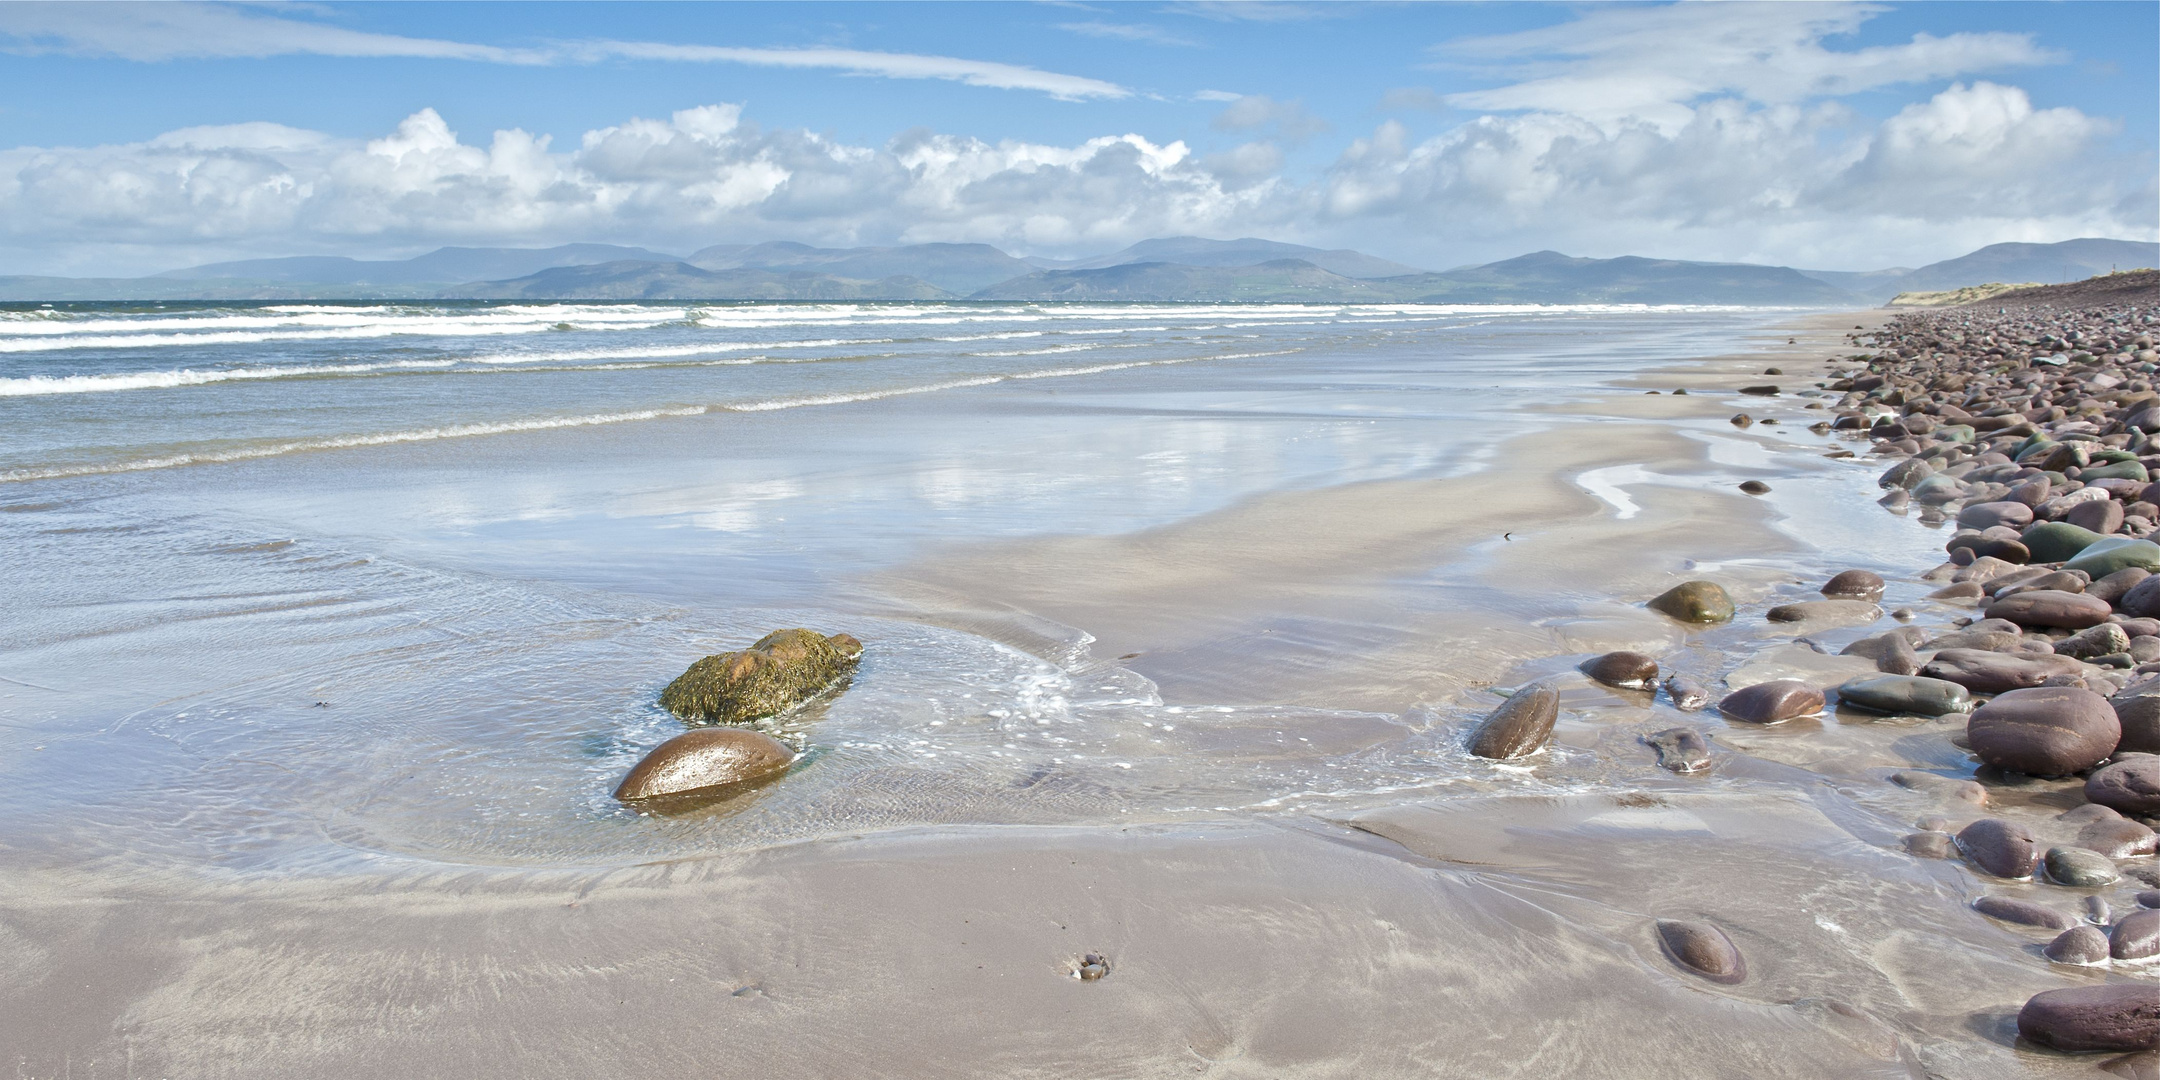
column 317, row 680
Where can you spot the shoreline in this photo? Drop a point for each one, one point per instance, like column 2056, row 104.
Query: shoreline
column 1406, row 939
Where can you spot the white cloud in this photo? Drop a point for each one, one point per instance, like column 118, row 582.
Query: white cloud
column 168, row 31
column 1621, row 63
column 1153, row 35
column 1291, row 119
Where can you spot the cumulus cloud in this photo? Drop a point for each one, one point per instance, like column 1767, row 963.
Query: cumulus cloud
column 1651, row 63
column 168, row 31
column 700, row 175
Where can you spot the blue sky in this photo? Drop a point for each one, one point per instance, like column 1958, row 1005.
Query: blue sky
column 138, row 138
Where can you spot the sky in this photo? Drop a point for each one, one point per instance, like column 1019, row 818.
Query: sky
column 136, row 138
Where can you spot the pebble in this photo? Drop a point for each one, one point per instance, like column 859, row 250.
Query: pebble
column 2044, row 731
column 1683, row 750
column 1854, row 585
column 2137, row 708
column 2136, row 936
column 1772, row 702
column 1702, row 949
column 1628, row 670
column 2051, row 607
column 1687, row 695
column 2057, row 541
column 1695, row 602
column 2079, row 868
column 705, row 759
column 1840, row 611
column 1987, row 514
column 2105, row 639
column 2002, row 848
column 2110, row 554
column 2119, row 838
column 1967, row 790
column 1092, row 967
column 2109, row 1017
column 2023, row 912
column 1520, row 726
column 1932, row 845
column 2085, row 945
column 1906, row 695
column 1984, row 672
column 1755, row 487
column 2130, row 784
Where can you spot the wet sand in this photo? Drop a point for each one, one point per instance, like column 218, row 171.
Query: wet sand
column 1499, row 925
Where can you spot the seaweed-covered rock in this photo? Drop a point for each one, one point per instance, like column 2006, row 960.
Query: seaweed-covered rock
column 784, row 669
column 704, row 760
column 1695, row 602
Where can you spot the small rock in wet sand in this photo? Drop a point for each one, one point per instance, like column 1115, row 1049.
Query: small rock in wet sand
column 1683, row 750
column 1755, row 487
column 2111, row 1016
column 1892, row 652
column 1702, row 949
column 2002, row 848
column 2130, row 784
column 705, row 759
column 2118, row 838
column 1520, row 726
column 2023, row 912
column 1695, row 602
column 1687, row 695
column 1931, row 845
column 2149, row 898
column 1093, row 966
column 1854, row 585
column 1743, row 420
column 2044, row 731
column 1906, row 695
column 2079, row 945
column 1772, row 702
column 1966, row 790
column 1627, row 670
column 2097, row 911
column 1842, row 611
column 2079, row 868
column 2136, row 937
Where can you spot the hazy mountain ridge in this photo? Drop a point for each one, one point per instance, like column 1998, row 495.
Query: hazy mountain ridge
column 1168, row 269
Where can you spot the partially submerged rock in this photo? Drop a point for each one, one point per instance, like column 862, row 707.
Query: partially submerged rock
column 2044, row 731
column 705, row 760
column 1628, row 670
column 1683, row 750
column 1520, row 726
column 1907, row 695
column 1702, row 949
column 1772, row 702
column 2112, row 1016
column 1695, row 602
column 784, row 669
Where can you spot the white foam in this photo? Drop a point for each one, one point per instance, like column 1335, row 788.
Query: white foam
column 41, row 385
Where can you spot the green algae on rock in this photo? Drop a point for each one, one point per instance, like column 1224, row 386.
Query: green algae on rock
column 1695, row 602
column 784, row 669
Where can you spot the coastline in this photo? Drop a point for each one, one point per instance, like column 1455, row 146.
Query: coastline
column 1379, row 936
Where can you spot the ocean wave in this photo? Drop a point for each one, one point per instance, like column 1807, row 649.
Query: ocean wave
column 41, row 385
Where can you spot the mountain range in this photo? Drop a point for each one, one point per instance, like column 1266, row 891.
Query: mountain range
column 1169, row 269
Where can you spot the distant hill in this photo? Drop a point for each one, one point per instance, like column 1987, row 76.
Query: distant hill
column 1196, row 251
column 2070, row 260
column 956, row 268
column 1277, row 281
column 1546, row 277
column 443, row 266
column 651, row 280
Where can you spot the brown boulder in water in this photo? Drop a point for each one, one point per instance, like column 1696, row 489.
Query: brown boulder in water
column 1854, row 585
column 2002, row 848
column 1629, row 670
column 1772, row 702
column 703, row 760
column 784, row 669
column 1520, row 726
column 2110, row 1016
column 2044, row 730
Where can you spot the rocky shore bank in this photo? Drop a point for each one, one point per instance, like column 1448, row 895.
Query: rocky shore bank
column 2028, row 429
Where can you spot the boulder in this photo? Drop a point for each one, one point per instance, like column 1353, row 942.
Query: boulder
column 1701, row 949
column 1628, row 670
column 1683, row 750
column 2100, row 515
column 781, row 671
column 2113, row 587
column 2136, row 937
column 2110, row 1017
column 1994, row 672
column 1905, row 695
column 2051, row 607
column 2118, row 838
column 2044, row 730
column 2079, row 868
column 2142, row 601
column 1695, row 602
column 2023, row 913
column 704, row 760
column 1520, row 726
column 2002, row 848
column 2137, row 708
column 2130, row 784
column 1772, row 702
column 2106, row 639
